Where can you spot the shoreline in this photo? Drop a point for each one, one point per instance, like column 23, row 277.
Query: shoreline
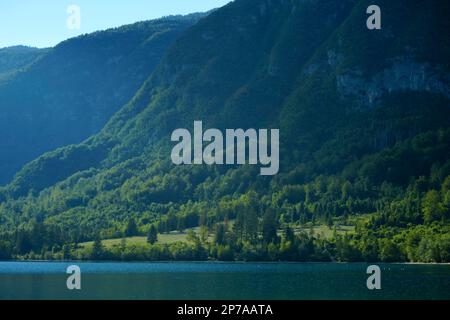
column 226, row 262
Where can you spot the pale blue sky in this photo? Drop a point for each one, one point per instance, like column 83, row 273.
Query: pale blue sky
column 42, row 23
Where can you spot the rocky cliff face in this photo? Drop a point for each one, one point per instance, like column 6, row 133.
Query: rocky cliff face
column 404, row 74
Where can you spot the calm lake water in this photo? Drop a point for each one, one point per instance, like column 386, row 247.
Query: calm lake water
column 47, row 280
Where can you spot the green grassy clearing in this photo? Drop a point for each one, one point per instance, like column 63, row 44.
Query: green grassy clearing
column 164, row 238
column 176, row 236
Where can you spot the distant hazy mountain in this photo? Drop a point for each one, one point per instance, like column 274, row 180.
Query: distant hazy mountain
column 12, row 59
column 59, row 96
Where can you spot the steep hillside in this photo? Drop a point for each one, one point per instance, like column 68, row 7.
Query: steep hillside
column 220, row 66
column 364, row 118
column 71, row 91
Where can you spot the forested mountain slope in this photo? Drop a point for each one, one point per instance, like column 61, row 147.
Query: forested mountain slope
column 364, row 118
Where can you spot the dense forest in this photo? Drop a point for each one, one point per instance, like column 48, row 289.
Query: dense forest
column 364, row 118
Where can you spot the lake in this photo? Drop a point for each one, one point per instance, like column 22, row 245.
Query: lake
column 259, row 281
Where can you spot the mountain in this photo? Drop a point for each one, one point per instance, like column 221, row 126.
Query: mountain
column 364, row 121
column 62, row 95
column 15, row 58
